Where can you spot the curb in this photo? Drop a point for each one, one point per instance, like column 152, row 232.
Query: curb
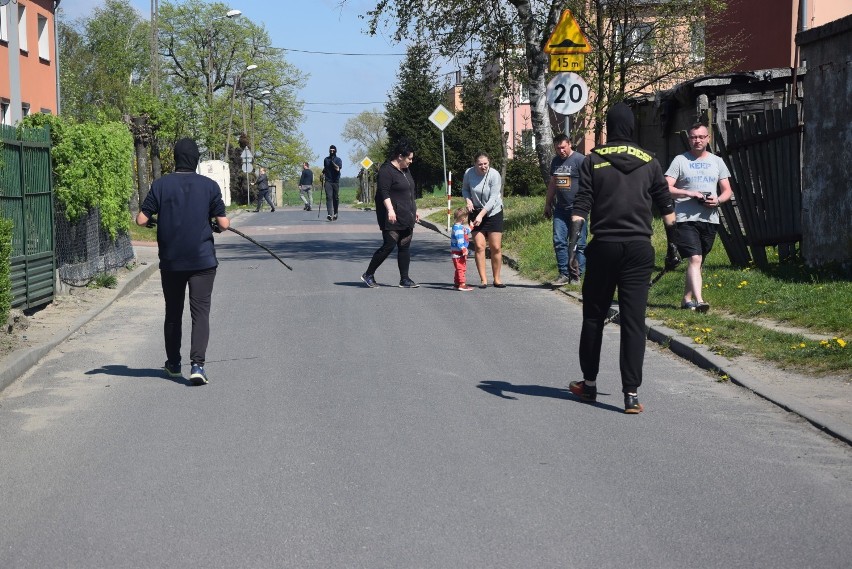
column 703, row 358
column 21, row 361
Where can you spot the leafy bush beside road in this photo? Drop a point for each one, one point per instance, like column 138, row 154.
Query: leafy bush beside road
column 5, row 277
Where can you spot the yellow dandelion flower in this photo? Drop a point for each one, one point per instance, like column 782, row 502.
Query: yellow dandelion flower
column 840, row 342
column 719, row 285
column 744, row 283
column 698, row 340
column 823, row 342
column 802, row 345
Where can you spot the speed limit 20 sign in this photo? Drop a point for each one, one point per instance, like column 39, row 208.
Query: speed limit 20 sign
column 567, row 93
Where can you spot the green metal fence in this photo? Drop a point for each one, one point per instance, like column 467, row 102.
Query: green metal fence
column 26, row 198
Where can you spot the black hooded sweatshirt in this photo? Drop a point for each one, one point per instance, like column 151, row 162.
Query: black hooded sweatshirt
column 618, row 183
column 184, row 202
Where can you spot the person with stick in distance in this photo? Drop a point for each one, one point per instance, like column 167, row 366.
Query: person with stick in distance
column 396, row 213
column 331, row 180
column 695, row 178
column 618, row 184
column 185, row 203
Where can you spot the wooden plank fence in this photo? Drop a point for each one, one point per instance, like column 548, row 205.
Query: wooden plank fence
column 763, row 153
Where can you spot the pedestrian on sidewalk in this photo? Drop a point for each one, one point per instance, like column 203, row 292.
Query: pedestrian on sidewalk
column 481, row 189
column 306, row 186
column 331, row 179
column 561, row 189
column 262, row 185
column 619, row 181
column 185, row 203
column 459, row 241
column 695, row 179
column 396, row 213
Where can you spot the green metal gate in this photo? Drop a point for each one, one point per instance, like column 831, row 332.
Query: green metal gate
column 26, row 198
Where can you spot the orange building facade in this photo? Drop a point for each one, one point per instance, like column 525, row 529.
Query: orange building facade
column 28, row 59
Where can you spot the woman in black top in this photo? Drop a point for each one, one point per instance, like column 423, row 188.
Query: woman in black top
column 396, row 212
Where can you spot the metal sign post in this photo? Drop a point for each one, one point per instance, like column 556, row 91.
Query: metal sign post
column 441, row 117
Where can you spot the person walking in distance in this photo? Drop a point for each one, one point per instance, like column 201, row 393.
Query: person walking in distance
column 619, row 182
column 561, row 189
column 262, row 184
column 396, row 213
column 695, row 179
column 331, row 172
column 459, row 241
column 184, row 203
column 306, row 184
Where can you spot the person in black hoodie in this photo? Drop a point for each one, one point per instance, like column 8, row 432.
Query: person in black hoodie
column 185, row 203
column 619, row 182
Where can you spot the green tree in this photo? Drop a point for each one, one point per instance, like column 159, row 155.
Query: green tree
column 206, row 57
column 475, row 128
column 412, row 100
column 368, row 130
column 513, row 34
column 105, row 59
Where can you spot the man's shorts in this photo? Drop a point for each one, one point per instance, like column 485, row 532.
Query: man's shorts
column 696, row 238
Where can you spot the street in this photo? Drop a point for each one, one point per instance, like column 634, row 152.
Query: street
column 353, row 427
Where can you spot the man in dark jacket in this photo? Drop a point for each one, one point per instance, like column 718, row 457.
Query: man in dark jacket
column 618, row 184
column 184, row 203
column 306, row 183
column 331, row 166
column 262, row 184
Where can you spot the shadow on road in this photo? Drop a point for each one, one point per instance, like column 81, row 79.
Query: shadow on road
column 124, row 371
column 500, row 388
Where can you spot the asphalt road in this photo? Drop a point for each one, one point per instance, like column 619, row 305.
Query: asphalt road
column 354, row 427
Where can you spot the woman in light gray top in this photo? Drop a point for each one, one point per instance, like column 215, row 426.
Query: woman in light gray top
column 481, row 189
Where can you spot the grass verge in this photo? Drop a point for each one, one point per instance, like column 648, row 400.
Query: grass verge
column 788, row 293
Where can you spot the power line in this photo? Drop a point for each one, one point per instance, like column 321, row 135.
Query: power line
column 329, row 112
column 347, row 103
column 341, row 53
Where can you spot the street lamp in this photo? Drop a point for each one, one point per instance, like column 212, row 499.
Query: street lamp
column 230, row 14
column 237, row 85
column 260, row 96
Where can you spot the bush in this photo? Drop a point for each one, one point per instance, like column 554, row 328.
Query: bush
column 5, row 269
column 523, row 177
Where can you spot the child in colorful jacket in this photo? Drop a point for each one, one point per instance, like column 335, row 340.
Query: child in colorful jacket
column 459, row 240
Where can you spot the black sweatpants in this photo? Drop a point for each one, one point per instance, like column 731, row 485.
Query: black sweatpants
column 626, row 265
column 200, row 292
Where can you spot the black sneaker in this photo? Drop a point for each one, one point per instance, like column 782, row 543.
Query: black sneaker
column 328, row 218
column 197, row 376
column 408, row 283
column 689, row 305
column 632, row 405
column 369, row 280
column 172, row 370
column 334, row 217
column 702, row 307
column 583, row 391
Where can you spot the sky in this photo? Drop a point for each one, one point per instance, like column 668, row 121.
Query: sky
column 352, row 83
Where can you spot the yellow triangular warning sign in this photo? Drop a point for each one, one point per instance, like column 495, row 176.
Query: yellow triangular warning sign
column 567, row 37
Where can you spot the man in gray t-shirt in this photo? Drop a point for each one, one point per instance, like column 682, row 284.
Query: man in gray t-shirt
column 558, row 204
column 698, row 182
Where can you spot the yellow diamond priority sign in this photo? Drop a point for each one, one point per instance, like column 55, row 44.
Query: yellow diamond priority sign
column 441, row 117
column 567, row 37
column 366, row 162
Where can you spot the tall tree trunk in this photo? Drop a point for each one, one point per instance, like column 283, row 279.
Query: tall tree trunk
column 141, row 131
column 156, row 162
column 538, row 64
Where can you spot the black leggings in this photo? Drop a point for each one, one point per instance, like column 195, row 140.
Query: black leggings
column 200, row 292
column 401, row 239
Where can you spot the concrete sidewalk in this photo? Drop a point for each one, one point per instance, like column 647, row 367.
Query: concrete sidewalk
column 822, row 401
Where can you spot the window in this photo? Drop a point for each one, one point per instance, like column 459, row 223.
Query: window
column 4, row 23
column 25, row 109
column 528, row 139
column 696, row 43
column 525, row 94
column 43, row 42
column 22, row 27
column 637, row 41
column 5, row 115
